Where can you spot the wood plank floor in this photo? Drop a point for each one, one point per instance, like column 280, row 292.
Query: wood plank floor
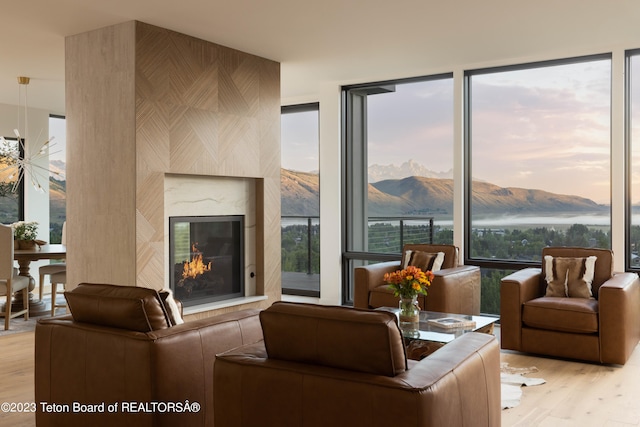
column 575, row 394
column 16, row 377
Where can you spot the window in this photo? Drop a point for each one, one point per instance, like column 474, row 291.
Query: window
column 57, row 183
column 398, row 169
column 11, row 192
column 300, row 188
column 633, row 142
column 538, row 147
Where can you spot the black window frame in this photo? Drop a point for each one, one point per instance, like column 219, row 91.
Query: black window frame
column 292, row 109
column 21, row 188
column 349, row 126
column 628, row 153
column 502, row 264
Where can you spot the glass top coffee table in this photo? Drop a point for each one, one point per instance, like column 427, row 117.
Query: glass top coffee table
column 437, row 329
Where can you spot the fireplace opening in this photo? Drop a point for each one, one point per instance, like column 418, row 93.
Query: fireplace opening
column 206, row 258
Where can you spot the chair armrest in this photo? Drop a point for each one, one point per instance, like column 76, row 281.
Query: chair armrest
column 455, row 290
column 370, row 277
column 516, row 289
column 619, row 310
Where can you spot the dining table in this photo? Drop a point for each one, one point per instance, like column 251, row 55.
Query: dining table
column 24, row 257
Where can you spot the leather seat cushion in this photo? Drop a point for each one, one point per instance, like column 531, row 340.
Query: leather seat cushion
column 576, row 315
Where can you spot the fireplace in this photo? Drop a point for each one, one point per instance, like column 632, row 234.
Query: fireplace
column 206, row 258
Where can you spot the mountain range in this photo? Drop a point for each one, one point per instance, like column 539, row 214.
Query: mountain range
column 412, row 189
column 407, row 169
column 419, row 195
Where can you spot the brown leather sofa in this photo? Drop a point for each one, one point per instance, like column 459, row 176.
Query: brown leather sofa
column 123, row 349
column 455, row 288
column 604, row 328
column 324, row 366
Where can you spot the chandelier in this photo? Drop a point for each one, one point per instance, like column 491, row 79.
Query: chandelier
column 26, row 162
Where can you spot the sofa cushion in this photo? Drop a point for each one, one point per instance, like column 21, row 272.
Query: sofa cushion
column 126, row 307
column 575, row 315
column 339, row 337
column 423, row 260
column 569, row 276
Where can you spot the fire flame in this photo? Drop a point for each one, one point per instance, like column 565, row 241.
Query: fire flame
column 195, row 267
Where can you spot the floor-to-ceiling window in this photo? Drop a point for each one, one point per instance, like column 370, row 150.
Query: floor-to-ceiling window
column 11, row 189
column 398, row 173
column 57, row 178
column 633, row 143
column 300, row 196
column 538, row 155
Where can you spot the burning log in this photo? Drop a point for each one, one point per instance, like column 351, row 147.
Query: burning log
column 194, row 268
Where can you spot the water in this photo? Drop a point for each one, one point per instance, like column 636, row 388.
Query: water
column 519, row 221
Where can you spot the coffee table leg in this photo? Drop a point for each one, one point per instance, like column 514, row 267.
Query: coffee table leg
column 419, row 349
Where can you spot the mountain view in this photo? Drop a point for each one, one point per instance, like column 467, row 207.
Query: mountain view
column 407, row 169
column 417, row 195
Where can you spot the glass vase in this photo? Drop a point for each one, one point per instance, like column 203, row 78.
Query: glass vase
column 409, row 317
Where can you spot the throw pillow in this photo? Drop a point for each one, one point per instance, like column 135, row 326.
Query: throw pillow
column 423, row 260
column 569, row 277
column 172, row 307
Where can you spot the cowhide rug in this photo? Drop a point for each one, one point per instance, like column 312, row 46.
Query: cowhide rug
column 512, row 380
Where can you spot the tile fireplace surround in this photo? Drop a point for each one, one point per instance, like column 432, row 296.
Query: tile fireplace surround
column 200, row 196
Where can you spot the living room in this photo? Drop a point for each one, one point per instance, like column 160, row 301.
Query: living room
column 423, row 40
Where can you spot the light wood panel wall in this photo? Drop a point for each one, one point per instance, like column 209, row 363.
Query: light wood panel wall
column 164, row 103
column 101, row 150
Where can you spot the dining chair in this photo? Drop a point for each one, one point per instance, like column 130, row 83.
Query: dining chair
column 10, row 280
column 59, row 278
column 53, row 268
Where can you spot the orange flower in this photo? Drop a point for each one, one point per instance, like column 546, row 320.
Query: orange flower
column 409, row 282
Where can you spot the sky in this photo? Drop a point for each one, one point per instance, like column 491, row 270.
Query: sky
column 545, row 128
column 300, row 141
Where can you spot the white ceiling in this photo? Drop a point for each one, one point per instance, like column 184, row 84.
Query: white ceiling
column 323, row 41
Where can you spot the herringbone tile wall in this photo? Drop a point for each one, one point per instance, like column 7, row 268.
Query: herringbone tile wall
column 204, row 109
column 144, row 102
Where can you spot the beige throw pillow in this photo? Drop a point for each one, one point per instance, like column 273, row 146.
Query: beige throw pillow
column 569, row 277
column 425, row 261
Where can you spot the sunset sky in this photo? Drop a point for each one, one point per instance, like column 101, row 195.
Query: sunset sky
column 546, row 128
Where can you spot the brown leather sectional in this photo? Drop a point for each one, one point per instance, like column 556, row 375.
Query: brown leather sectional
column 322, row 366
column 455, row 288
column 110, row 358
column 317, row 366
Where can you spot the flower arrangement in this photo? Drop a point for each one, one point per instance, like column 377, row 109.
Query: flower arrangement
column 409, row 282
column 25, row 230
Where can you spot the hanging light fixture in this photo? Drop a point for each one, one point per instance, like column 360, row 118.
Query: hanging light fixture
column 26, row 162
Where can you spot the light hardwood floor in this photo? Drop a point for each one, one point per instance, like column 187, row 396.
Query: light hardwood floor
column 575, row 394
column 16, row 377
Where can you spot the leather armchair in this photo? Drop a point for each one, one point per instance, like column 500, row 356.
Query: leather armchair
column 455, row 288
column 337, row 366
column 604, row 329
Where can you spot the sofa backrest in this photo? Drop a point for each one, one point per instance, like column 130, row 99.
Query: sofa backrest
column 132, row 308
column 603, row 266
column 339, row 337
column 450, row 252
